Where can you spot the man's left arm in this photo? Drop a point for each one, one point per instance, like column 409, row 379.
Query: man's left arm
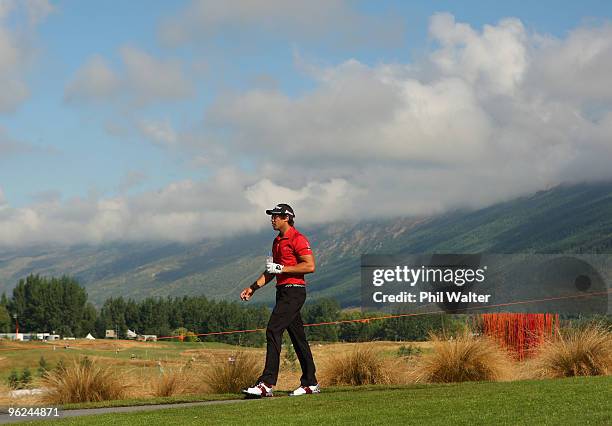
column 306, row 265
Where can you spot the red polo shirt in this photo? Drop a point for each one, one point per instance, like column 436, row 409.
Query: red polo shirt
column 286, row 251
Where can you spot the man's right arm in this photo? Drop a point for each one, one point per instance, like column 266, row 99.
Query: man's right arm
column 263, row 279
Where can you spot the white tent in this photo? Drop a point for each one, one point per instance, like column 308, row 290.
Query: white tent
column 131, row 335
column 90, row 337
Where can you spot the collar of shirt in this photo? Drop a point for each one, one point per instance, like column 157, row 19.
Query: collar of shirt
column 288, row 234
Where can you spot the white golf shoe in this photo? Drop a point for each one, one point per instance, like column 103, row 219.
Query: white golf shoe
column 306, row 390
column 260, row 390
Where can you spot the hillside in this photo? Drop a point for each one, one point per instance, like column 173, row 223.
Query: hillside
column 574, row 219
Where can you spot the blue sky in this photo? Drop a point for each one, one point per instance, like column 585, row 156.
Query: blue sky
column 127, row 100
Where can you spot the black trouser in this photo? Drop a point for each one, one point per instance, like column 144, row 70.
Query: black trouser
column 286, row 316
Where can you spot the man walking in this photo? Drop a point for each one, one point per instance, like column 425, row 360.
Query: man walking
column 292, row 258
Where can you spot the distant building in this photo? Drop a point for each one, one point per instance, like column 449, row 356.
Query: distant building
column 147, row 338
column 110, row 334
column 11, row 336
column 26, row 337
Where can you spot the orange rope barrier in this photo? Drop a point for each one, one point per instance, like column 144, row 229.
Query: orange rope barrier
column 521, row 302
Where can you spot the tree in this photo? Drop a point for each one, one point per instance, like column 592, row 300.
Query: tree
column 361, row 331
column 88, row 321
column 42, row 366
column 13, row 379
column 132, row 316
column 26, row 378
column 113, row 314
column 46, row 304
column 290, row 356
column 5, row 319
column 322, row 310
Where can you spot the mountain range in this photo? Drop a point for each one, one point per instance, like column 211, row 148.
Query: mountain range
column 564, row 219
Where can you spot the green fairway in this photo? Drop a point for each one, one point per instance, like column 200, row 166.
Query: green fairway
column 561, row 401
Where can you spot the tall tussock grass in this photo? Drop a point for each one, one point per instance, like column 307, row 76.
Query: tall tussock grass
column 576, row 352
column 465, row 358
column 171, row 382
column 362, row 366
column 240, row 371
column 83, row 381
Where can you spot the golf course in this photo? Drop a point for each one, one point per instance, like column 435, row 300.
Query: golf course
column 176, row 373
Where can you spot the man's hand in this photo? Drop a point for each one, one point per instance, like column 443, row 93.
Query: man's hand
column 246, row 293
column 273, row 268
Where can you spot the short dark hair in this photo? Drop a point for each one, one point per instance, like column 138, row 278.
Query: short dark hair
column 287, row 216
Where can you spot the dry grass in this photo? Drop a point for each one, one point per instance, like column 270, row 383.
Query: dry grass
column 576, row 352
column 177, row 381
column 232, row 376
column 465, row 358
column 169, row 383
column 84, row 381
column 362, row 366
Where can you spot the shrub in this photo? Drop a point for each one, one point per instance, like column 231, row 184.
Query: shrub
column 42, row 366
column 240, row 371
column 26, row 378
column 60, row 366
column 362, row 366
column 16, row 381
column 191, row 337
column 84, row 381
column 290, row 357
column 170, row 382
column 406, row 351
column 13, row 380
column 576, row 352
column 465, row 358
column 184, row 335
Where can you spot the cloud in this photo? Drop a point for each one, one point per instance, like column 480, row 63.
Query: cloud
column 489, row 114
column 17, row 48
column 13, row 60
column 10, row 147
column 38, row 10
column 153, row 79
column 492, row 61
column 159, row 132
column 358, row 115
column 130, row 180
column 94, row 80
column 472, row 124
column 182, row 211
column 332, row 22
column 320, row 201
column 143, row 80
column 5, row 8
column 50, row 196
column 576, row 68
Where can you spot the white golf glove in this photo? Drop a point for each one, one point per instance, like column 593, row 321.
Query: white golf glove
column 274, row 268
